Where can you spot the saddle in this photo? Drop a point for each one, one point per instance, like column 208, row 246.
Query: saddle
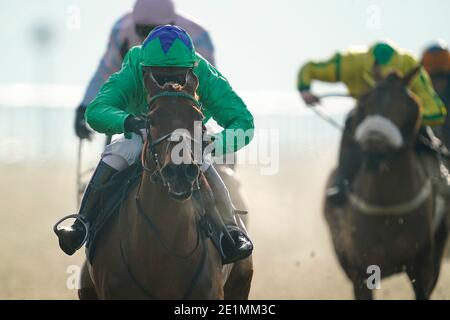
column 121, row 184
column 113, row 195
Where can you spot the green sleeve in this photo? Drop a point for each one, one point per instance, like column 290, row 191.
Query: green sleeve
column 221, row 102
column 328, row 71
column 433, row 109
column 107, row 112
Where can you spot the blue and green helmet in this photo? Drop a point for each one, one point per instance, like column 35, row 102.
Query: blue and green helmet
column 168, row 46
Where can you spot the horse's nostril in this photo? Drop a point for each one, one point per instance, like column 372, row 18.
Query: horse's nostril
column 168, row 172
column 191, row 171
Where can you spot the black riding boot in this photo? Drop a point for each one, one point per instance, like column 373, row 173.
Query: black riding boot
column 72, row 238
column 348, row 165
column 242, row 246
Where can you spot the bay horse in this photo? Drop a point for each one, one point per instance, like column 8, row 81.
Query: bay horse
column 154, row 248
column 393, row 219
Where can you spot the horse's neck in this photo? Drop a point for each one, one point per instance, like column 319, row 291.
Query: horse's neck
column 174, row 220
column 398, row 180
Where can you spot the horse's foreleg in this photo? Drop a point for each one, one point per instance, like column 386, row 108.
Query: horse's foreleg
column 238, row 284
column 361, row 291
column 440, row 241
column 422, row 274
column 87, row 288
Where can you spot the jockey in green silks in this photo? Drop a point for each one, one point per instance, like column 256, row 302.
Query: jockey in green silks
column 167, row 54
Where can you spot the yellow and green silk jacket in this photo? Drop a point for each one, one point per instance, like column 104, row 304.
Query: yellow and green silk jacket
column 354, row 69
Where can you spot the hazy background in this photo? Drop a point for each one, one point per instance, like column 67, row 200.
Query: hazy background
column 47, row 57
column 259, row 44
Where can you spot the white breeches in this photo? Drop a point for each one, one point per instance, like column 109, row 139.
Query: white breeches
column 123, row 152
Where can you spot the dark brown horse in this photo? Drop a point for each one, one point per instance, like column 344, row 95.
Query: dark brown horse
column 154, row 248
column 393, row 220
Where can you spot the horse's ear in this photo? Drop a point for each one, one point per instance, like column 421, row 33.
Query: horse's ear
column 411, row 75
column 151, row 84
column 191, row 83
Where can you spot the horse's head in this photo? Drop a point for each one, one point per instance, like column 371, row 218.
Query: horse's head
column 388, row 117
column 173, row 116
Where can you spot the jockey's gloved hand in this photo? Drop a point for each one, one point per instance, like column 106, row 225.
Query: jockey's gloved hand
column 81, row 130
column 135, row 124
column 309, row 98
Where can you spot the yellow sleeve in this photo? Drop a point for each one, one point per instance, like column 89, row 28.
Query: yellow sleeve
column 433, row 109
column 319, row 70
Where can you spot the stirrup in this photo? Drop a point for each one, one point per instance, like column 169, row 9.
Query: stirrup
column 78, row 217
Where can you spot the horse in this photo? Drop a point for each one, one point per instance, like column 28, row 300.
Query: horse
column 393, row 218
column 155, row 248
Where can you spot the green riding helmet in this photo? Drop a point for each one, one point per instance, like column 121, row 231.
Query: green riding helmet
column 168, row 46
column 383, row 52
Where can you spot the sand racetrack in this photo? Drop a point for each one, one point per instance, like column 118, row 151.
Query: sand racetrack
column 293, row 256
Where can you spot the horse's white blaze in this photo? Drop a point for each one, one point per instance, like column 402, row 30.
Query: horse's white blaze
column 381, row 125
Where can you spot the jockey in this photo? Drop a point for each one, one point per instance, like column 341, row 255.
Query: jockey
column 167, row 55
column 436, row 60
column 357, row 70
column 129, row 31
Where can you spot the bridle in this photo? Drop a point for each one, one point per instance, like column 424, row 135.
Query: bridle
column 149, row 146
column 156, row 174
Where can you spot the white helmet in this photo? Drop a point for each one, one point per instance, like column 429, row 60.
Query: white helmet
column 153, row 12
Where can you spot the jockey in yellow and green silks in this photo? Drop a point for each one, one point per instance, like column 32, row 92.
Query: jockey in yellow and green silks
column 436, row 60
column 358, row 69
column 355, row 68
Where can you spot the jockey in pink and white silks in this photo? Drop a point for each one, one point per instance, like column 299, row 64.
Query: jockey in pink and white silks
column 129, row 31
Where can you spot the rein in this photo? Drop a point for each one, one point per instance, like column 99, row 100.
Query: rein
column 193, row 282
column 326, row 117
column 153, row 227
column 176, row 94
column 150, row 144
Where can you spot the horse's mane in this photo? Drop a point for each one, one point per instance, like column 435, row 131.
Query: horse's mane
column 172, row 87
column 176, row 87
